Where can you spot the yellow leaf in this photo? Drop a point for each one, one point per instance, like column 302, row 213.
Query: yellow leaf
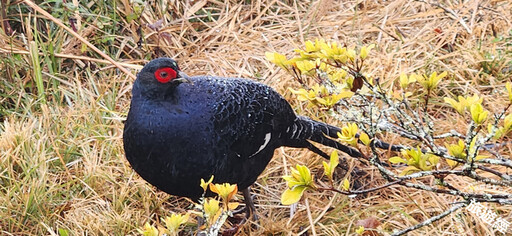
column 226, row 191
column 276, row 58
column 233, row 205
column 148, row 230
column 508, row 86
column 364, row 138
column 211, row 207
column 303, row 95
column 83, row 49
column 306, row 67
column 404, row 81
column 360, row 230
column 459, row 106
column 305, row 174
column 409, row 170
column 432, row 81
column 499, row 131
column 327, row 170
column 331, row 166
column 346, row 94
column 457, row 150
column 432, row 160
column 291, row 196
column 310, row 46
column 507, row 123
column 346, row 185
column 300, row 176
column 396, row 159
column 452, row 163
column 478, row 114
column 174, row 221
column 469, row 101
column 204, row 184
column 348, row 134
column 337, row 75
column 351, row 54
column 320, row 89
column 334, row 160
column 365, row 50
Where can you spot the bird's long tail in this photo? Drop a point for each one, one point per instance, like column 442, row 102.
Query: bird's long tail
column 305, row 129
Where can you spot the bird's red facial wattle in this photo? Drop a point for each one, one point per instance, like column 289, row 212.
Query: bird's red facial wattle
column 164, row 75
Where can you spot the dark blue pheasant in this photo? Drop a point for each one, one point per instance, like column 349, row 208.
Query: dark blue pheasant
column 180, row 129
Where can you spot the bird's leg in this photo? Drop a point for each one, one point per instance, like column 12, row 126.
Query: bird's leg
column 250, row 209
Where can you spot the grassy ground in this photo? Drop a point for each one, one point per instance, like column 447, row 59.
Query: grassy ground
column 62, row 165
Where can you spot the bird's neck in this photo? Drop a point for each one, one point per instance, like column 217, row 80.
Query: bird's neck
column 154, row 94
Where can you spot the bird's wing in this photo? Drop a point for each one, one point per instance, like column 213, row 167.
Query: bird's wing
column 251, row 118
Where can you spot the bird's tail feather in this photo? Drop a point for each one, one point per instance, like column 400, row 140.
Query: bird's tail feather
column 324, row 134
column 305, row 129
column 332, row 132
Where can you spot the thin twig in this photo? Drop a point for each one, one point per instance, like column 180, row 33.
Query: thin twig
column 431, row 219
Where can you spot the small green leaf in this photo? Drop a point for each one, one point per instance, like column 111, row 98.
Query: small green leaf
column 63, row 232
column 130, row 17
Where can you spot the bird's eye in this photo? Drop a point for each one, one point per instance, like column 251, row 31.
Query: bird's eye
column 164, row 75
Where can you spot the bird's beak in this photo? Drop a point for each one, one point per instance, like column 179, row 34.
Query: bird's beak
column 183, row 78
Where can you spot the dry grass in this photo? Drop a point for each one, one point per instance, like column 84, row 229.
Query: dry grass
column 62, row 166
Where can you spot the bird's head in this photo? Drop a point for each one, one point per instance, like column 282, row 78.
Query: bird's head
column 160, row 76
